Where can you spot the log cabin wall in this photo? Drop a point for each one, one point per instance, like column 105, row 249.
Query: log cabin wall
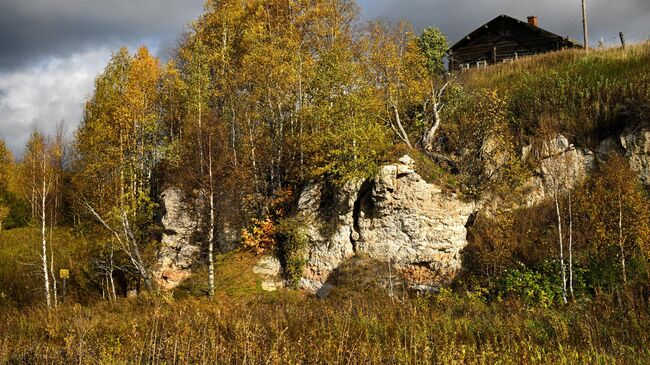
column 504, row 39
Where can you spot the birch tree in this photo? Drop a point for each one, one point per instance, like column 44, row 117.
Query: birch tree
column 619, row 213
column 120, row 142
column 37, row 168
column 433, row 45
column 558, row 180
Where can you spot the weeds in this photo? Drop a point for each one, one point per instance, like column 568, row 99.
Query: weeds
column 448, row 328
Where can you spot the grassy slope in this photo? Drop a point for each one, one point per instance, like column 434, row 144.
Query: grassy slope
column 584, row 95
column 20, row 270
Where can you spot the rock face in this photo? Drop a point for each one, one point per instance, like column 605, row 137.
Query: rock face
column 180, row 245
column 559, row 166
column 637, row 149
column 396, row 217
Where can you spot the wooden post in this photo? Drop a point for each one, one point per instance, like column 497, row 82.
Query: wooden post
column 584, row 24
column 622, row 36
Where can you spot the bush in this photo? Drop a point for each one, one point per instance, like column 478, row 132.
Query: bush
column 292, row 240
column 19, row 211
column 542, row 286
column 261, row 237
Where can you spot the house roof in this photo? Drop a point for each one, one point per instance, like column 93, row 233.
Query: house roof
column 481, row 29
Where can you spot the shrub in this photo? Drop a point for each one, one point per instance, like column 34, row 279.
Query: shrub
column 292, row 239
column 261, row 237
column 19, row 213
column 542, row 286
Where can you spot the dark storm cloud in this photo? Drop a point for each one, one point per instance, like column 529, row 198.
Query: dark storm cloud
column 31, row 30
column 459, row 17
column 52, row 50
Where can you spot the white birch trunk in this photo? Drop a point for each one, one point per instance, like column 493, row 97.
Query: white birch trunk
column 111, row 268
column 429, row 136
column 620, row 236
column 402, row 133
column 211, row 229
column 46, row 276
column 559, row 230
column 571, row 249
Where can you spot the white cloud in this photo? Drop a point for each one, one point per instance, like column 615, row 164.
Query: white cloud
column 40, row 97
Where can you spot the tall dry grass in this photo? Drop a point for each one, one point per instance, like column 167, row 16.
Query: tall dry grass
column 589, row 95
column 446, row 329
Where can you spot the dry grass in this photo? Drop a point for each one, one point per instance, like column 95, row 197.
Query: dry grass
column 357, row 324
column 587, row 96
column 290, row 330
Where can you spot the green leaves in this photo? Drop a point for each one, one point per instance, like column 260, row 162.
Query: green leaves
column 433, row 44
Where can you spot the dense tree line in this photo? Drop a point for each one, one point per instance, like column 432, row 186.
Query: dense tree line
column 260, row 97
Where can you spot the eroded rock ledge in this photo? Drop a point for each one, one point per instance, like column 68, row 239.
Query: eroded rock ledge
column 396, row 217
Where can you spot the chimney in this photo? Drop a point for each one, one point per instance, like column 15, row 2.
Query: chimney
column 532, row 20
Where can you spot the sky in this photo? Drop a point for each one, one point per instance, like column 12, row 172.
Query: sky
column 52, row 50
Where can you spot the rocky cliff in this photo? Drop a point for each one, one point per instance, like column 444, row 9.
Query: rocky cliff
column 635, row 145
column 180, row 245
column 558, row 164
column 396, row 217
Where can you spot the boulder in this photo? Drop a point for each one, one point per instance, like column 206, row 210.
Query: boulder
column 270, row 270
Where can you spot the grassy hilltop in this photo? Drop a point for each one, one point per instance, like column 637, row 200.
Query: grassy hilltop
column 587, row 96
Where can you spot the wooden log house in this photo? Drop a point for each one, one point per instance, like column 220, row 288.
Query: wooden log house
column 504, row 39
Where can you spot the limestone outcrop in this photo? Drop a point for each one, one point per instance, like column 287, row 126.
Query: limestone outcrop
column 636, row 146
column 561, row 165
column 270, row 270
column 396, row 217
column 180, row 243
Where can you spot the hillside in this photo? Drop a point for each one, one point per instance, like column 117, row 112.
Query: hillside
column 587, row 97
column 294, row 186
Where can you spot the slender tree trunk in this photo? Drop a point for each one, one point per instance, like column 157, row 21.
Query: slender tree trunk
column 233, row 134
column 571, row 249
column 559, row 230
column 211, row 229
column 46, row 276
column 200, row 121
column 111, row 268
column 300, row 127
column 253, row 158
column 428, row 139
column 402, row 133
column 621, row 242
